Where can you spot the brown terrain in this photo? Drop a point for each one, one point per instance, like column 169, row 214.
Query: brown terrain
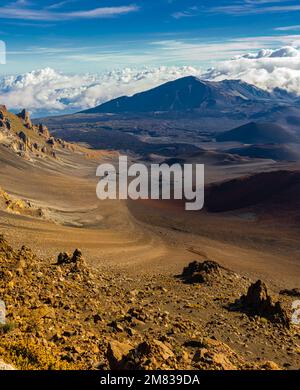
column 128, row 299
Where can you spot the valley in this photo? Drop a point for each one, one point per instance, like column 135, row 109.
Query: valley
column 124, row 293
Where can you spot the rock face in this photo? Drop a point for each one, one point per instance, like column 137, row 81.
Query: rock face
column 116, row 354
column 257, row 301
column 204, row 272
column 4, row 121
column 30, row 141
column 26, row 139
column 214, row 353
column 65, row 258
column 15, row 205
column 25, row 116
column 148, row 355
column 43, row 130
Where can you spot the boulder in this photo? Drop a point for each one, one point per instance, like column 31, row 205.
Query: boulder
column 65, row 258
column 24, row 138
column 4, row 122
column 259, row 302
column 216, row 355
column 25, row 116
column 150, row 354
column 197, row 272
column 51, row 141
column 269, row 366
column 116, row 353
column 43, row 130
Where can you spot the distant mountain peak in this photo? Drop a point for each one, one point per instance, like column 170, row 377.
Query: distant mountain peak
column 185, row 94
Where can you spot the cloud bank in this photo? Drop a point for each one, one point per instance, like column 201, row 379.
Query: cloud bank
column 47, row 91
column 267, row 69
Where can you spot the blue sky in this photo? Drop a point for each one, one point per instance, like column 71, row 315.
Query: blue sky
column 90, row 36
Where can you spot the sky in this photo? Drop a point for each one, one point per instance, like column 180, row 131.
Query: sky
column 67, row 55
column 78, row 36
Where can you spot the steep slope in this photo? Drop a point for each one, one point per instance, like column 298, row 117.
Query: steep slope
column 33, row 141
column 27, row 140
column 187, row 93
column 256, row 133
column 273, row 190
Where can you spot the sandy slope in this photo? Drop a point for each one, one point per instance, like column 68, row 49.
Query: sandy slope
column 107, row 231
column 139, row 247
column 144, row 238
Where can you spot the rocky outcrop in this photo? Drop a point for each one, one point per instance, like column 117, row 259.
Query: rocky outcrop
column 259, row 302
column 43, row 130
column 25, row 116
column 29, row 141
column 4, row 121
column 32, row 142
column 150, row 354
column 15, row 205
column 25, row 141
column 214, row 354
column 197, row 272
column 65, row 258
column 117, row 353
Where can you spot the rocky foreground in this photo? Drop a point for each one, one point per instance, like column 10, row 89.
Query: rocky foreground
column 61, row 314
column 33, row 142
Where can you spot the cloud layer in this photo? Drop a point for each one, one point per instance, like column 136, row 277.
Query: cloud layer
column 267, row 69
column 47, row 91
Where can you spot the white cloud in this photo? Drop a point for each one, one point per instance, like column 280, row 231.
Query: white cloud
column 194, row 50
column 187, row 13
column 288, row 28
column 252, row 7
column 21, row 11
column 49, row 91
column 267, row 69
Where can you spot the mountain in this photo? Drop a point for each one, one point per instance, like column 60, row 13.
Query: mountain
column 273, row 152
column 184, row 94
column 258, row 133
